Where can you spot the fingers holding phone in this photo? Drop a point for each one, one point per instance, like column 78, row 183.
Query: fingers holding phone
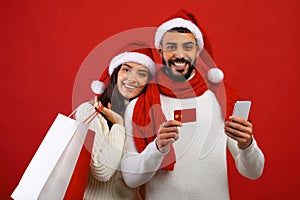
column 238, row 128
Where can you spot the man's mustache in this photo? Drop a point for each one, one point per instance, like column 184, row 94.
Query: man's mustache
column 182, row 60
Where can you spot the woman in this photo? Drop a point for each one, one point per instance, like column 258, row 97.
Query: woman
column 129, row 73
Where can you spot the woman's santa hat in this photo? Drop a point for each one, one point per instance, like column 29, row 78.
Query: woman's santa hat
column 137, row 52
column 184, row 19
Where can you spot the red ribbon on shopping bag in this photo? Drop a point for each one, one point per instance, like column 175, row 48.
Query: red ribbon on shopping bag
column 76, row 187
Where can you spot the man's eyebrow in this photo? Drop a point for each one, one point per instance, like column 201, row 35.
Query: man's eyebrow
column 171, row 43
column 188, row 43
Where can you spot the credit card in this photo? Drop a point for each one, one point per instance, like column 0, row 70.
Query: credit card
column 185, row 115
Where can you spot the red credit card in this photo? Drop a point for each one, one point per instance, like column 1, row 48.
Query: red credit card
column 185, row 115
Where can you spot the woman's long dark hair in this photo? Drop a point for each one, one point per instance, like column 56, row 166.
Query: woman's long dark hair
column 111, row 93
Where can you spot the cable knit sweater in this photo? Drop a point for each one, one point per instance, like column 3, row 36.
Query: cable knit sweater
column 105, row 180
column 201, row 170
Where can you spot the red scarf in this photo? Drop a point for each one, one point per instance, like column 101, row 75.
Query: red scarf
column 148, row 115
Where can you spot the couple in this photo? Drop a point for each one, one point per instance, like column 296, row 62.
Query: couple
column 169, row 159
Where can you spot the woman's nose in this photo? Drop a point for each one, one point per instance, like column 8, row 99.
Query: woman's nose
column 131, row 76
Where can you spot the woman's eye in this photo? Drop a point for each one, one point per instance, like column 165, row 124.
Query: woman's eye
column 125, row 69
column 142, row 74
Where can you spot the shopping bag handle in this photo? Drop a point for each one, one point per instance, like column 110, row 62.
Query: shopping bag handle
column 72, row 113
column 89, row 118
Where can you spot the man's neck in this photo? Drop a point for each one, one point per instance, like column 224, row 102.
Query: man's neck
column 192, row 75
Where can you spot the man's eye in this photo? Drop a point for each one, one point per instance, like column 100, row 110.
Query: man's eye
column 171, row 48
column 188, row 47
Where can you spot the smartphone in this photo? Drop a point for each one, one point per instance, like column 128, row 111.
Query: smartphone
column 241, row 109
column 185, row 115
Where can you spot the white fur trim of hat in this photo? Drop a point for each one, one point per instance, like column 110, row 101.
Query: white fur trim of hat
column 178, row 22
column 98, row 87
column 214, row 75
column 132, row 57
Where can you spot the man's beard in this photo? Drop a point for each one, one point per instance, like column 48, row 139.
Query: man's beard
column 178, row 77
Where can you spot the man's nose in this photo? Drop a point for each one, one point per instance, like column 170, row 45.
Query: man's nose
column 179, row 53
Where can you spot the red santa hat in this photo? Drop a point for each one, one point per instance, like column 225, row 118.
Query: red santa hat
column 137, row 52
column 184, row 19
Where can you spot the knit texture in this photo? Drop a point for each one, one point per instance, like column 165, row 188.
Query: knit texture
column 201, row 169
column 145, row 126
column 105, row 180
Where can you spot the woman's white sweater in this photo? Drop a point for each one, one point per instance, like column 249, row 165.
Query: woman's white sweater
column 105, row 179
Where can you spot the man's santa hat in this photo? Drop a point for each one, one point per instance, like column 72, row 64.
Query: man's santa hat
column 184, row 19
column 137, row 52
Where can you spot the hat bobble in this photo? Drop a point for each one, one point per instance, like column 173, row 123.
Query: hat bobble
column 215, row 75
column 98, row 87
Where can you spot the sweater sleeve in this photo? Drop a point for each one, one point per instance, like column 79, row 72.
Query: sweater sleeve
column 108, row 144
column 249, row 161
column 138, row 168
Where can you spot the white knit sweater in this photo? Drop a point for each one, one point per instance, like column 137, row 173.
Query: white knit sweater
column 201, row 170
column 105, row 180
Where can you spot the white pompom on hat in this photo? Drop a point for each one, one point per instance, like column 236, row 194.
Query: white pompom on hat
column 184, row 19
column 215, row 75
column 137, row 52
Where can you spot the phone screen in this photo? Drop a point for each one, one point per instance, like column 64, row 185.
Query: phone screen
column 242, row 109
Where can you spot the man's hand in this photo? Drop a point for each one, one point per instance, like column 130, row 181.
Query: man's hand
column 167, row 134
column 239, row 130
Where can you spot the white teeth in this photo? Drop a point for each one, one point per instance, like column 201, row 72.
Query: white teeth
column 130, row 87
column 179, row 64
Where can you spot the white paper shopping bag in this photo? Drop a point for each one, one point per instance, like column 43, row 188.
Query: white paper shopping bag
column 50, row 170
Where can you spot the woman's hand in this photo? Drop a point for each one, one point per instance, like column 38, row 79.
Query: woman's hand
column 110, row 115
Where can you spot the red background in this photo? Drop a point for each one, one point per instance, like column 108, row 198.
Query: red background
column 43, row 44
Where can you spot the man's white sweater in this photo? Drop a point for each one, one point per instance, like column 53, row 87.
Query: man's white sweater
column 201, row 170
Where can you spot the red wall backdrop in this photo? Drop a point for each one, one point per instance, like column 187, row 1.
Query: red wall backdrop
column 43, row 44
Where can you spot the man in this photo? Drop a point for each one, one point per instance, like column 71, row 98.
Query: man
column 177, row 132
